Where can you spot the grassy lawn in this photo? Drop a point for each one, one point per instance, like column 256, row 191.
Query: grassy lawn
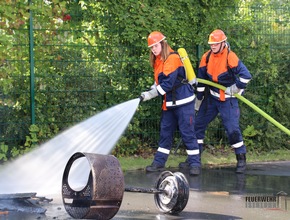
column 209, row 159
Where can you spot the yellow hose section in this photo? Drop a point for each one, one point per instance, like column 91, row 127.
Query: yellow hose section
column 190, row 74
column 252, row 105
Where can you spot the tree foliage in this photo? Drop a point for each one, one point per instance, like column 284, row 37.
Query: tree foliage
column 90, row 55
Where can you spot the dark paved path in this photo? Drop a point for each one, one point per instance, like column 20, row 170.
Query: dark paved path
column 215, row 194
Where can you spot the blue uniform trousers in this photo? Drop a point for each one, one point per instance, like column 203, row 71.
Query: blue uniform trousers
column 182, row 117
column 230, row 114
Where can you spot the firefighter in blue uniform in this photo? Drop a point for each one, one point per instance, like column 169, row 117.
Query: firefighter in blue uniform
column 177, row 106
column 222, row 66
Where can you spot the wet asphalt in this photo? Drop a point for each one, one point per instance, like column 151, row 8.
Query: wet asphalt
column 218, row 193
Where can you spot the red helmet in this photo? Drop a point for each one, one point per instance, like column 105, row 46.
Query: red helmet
column 217, row 36
column 154, row 38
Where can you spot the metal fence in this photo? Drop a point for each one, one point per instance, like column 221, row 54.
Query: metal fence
column 55, row 100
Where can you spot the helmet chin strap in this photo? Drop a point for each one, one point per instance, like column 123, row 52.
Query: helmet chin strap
column 220, row 48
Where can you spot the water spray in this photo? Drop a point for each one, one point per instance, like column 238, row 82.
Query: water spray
column 252, row 105
column 41, row 169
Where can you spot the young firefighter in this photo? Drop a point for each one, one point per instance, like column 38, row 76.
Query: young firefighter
column 221, row 66
column 178, row 103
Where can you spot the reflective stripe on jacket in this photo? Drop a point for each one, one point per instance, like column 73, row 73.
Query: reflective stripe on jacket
column 217, row 70
column 168, row 75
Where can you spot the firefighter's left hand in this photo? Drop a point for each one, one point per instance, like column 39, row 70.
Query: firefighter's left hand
column 233, row 89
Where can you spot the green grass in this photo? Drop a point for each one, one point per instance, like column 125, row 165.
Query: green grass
column 209, row 159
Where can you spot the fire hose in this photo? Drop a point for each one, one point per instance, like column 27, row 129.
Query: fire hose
column 191, row 75
column 252, row 105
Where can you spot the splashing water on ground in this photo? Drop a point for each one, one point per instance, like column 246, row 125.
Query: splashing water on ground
column 41, row 170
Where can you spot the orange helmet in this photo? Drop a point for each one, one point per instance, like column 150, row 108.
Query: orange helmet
column 217, row 36
column 154, row 38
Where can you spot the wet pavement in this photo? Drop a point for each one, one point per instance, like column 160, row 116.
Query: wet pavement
column 263, row 192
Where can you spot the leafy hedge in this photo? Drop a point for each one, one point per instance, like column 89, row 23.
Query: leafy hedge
column 90, row 55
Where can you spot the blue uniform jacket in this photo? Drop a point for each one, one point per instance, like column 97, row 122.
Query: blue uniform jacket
column 168, row 75
column 217, row 70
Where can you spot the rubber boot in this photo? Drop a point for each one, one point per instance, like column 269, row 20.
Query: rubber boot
column 184, row 165
column 241, row 163
column 194, row 171
column 154, row 167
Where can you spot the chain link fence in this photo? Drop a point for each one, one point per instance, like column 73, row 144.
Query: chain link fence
column 55, row 78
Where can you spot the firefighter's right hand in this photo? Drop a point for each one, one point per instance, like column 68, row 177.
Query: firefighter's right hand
column 193, row 82
column 197, row 104
column 233, row 89
column 153, row 86
column 149, row 94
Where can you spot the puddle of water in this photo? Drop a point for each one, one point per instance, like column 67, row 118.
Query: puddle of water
column 224, row 180
column 41, row 170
